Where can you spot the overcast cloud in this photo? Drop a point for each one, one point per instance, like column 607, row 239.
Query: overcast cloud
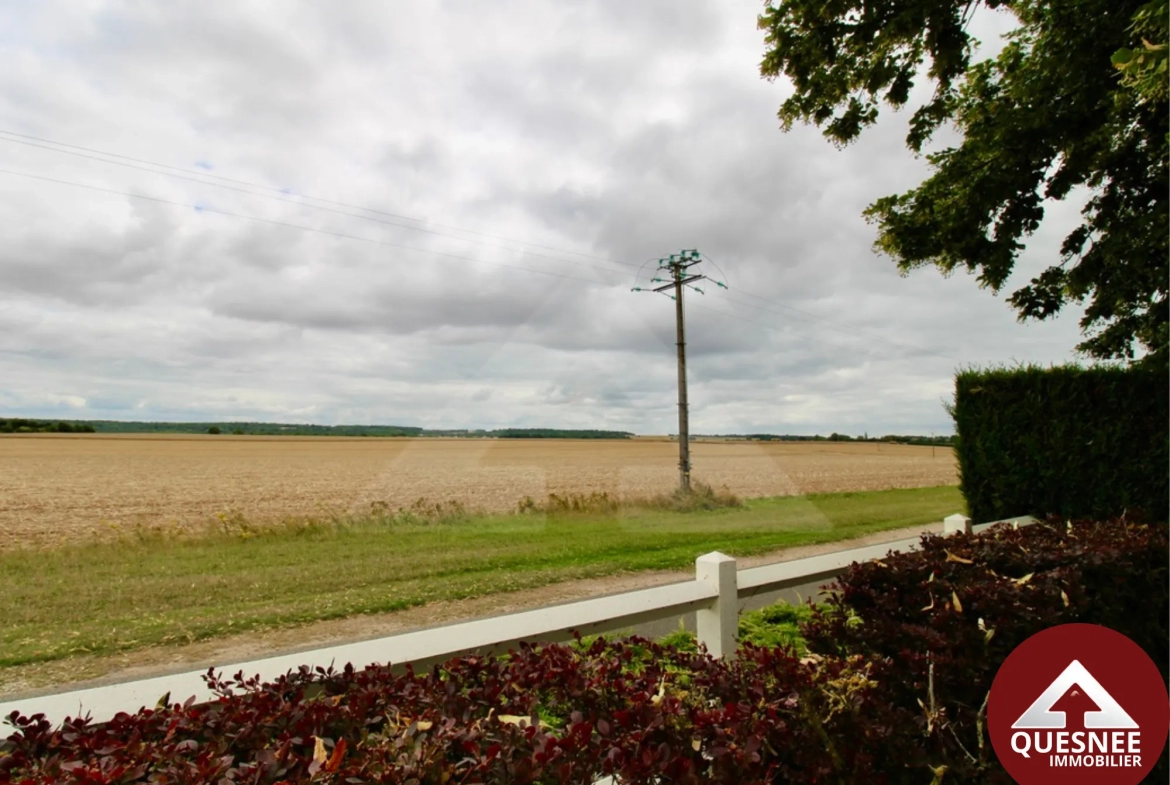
column 549, row 149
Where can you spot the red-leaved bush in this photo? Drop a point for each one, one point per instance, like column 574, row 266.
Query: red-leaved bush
column 555, row 714
column 893, row 693
column 946, row 617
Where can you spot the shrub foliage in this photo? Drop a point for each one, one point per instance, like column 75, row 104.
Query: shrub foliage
column 891, row 690
column 1070, row 441
column 946, row 618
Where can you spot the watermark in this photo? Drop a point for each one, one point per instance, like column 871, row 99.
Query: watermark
column 1078, row 703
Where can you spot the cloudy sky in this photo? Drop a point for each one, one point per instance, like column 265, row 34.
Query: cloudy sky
column 432, row 213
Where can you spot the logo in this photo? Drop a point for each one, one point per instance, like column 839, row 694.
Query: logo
column 1078, row 703
column 1041, row 715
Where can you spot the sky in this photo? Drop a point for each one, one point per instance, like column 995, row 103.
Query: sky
column 433, row 214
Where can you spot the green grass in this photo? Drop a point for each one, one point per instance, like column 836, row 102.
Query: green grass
column 105, row 598
column 773, row 625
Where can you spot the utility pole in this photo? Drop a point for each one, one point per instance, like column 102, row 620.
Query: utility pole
column 677, row 267
column 684, row 425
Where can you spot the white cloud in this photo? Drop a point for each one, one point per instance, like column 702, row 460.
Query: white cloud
column 563, row 135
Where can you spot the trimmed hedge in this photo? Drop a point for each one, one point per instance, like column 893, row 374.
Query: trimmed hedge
column 646, row 713
column 1069, row 441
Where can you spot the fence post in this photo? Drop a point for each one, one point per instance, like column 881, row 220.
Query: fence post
column 954, row 524
column 716, row 626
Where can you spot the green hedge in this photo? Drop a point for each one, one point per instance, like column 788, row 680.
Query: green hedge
column 1070, row 441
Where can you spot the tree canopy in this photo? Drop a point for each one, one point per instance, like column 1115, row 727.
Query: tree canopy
column 1076, row 99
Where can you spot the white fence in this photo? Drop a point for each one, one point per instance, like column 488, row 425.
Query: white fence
column 713, row 596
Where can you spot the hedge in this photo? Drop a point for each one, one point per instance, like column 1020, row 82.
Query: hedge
column 1070, row 441
column 952, row 613
column 849, row 712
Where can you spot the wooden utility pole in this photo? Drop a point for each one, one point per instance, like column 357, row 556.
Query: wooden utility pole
column 677, row 265
column 684, row 427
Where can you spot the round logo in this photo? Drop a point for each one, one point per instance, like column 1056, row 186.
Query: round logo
column 1078, row 703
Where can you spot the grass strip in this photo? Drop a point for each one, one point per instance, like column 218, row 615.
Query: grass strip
column 104, row 598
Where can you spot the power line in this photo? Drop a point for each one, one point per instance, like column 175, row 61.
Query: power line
column 812, row 335
column 839, row 326
column 815, row 336
column 857, row 334
column 678, row 269
column 852, row 332
column 312, row 206
column 204, row 177
column 343, row 235
column 868, row 350
column 274, row 222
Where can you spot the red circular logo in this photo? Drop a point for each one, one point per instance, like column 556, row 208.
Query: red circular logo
column 1078, row 703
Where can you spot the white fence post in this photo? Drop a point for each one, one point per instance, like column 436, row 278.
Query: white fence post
column 716, row 626
column 954, row 524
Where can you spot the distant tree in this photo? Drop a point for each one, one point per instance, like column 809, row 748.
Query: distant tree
column 20, row 425
column 214, row 430
column 238, row 431
column 1077, row 98
column 556, row 433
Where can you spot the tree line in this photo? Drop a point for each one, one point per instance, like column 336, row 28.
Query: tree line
column 21, row 425
column 945, row 440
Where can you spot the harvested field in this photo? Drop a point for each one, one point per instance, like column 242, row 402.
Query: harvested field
column 57, row 487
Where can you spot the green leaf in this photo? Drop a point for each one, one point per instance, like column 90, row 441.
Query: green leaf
column 1042, row 121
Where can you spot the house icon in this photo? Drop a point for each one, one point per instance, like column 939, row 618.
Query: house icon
column 1040, row 715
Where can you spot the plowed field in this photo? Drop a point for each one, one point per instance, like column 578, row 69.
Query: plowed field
column 57, row 487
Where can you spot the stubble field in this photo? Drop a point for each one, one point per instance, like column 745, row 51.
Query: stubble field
column 57, row 487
